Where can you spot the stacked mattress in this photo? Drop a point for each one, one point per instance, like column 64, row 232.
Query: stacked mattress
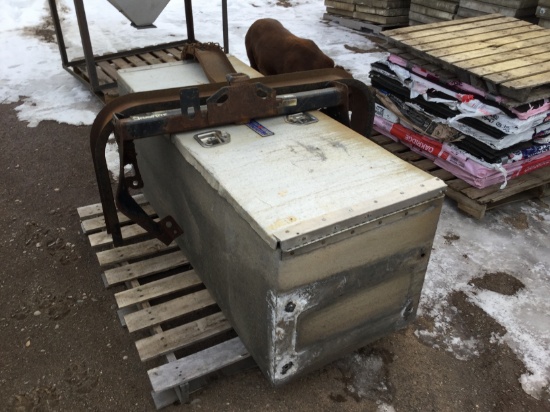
column 480, row 137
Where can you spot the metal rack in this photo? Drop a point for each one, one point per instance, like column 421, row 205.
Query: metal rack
column 88, row 69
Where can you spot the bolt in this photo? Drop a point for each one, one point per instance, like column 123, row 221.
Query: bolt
column 286, row 368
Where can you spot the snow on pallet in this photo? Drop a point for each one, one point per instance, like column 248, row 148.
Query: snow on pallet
column 189, row 336
column 469, row 199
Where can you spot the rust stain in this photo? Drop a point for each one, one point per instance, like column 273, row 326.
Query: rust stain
column 282, row 222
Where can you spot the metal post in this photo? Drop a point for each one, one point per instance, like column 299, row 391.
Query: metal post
column 58, row 33
column 225, row 27
column 86, row 44
column 189, row 19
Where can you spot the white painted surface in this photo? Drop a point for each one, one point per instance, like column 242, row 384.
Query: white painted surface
column 305, row 176
column 170, row 75
column 302, row 179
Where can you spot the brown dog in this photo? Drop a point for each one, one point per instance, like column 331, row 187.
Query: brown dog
column 272, row 49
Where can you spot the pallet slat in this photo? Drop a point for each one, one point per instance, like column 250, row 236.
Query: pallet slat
column 174, row 52
column 357, row 24
column 514, row 34
column 172, row 309
column 518, row 41
column 128, row 232
column 109, row 70
column 98, row 223
column 182, row 336
column 145, row 268
column 132, row 252
column 86, row 212
column 412, row 29
column 150, row 58
column 136, row 61
column 158, row 288
column 474, row 33
column 121, row 63
column 488, row 58
column 164, row 56
column 194, row 366
column 503, row 50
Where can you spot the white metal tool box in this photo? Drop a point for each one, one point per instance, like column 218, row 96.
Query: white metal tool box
column 313, row 240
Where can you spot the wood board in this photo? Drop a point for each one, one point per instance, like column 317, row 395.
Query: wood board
column 432, row 12
column 331, row 11
column 513, row 4
column 465, row 13
column 429, row 11
column 381, row 11
column 450, row 44
column 163, row 295
column 488, row 8
column 375, row 18
column 358, row 24
column 420, row 18
column 443, row 5
column 350, row 7
column 386, row 4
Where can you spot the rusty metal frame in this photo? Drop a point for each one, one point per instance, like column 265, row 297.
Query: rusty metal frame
column 146, row 114
column 89, row 61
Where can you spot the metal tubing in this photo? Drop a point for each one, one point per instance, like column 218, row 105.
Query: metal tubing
column 189, row 18
column 172, row 121
column 132, row 52
column 225, row 27
column 58, row 33
column 86, row 44
column 98, row 144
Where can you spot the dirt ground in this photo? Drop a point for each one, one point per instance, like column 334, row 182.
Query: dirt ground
column 62, row 347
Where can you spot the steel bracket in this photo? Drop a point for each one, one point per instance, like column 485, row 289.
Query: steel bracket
column 165, row 112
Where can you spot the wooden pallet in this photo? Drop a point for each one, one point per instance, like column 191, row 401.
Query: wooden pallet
column 107, row 69
column 429, row 11
column 445, row 76
column 507, row 56
column 506, row 8
column 189, row 336
column 469, row 199
column 360, row 25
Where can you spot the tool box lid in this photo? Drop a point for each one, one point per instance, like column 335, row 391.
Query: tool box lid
column 307, row 182
column 169, row 75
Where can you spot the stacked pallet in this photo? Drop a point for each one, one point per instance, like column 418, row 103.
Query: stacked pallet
column 387, row 12
column 472, row 95
column 430, row 11
column 543, row 13
column 524, row 9
column 344, row 8
column 382, row 12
